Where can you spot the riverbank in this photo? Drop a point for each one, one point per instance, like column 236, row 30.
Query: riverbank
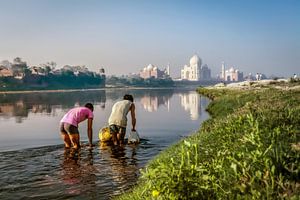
column 250, row 148
column 91, row 89
column 48, row 91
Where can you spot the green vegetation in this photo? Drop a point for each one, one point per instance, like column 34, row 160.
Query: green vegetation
column 19, row 76
column 51, row 81
column 249, row 149
column 139, row 82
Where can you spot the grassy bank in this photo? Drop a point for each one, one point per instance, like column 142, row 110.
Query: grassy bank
column 249, row 149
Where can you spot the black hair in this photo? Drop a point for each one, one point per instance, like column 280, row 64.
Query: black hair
column 90, row 106
column 128, row 97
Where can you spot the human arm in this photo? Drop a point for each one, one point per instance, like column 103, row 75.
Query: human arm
column 133, row 119
column 90, row 131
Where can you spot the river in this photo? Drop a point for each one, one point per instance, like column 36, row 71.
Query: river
column 35, row 165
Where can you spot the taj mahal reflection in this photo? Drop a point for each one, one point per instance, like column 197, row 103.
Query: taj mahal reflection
column 151, row 104
column 190, row 103
column 19, row 106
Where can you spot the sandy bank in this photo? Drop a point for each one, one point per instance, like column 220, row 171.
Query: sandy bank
column 283, row 84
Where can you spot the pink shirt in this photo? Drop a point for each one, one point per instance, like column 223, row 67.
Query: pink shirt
column 77, row 115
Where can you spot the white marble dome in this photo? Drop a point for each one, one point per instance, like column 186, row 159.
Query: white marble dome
column 231, row 70
column 150, row 67
column 195, row 60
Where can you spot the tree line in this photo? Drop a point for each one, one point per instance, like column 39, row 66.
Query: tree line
column 45, row 76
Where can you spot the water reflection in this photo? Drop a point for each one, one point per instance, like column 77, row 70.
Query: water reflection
column 123, row 166
column 190, row 103
column 20, row 105
column 151, row 104
column 34, row 164
column 193, row 103
column 78, row 172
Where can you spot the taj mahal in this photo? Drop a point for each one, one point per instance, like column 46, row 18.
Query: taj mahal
column 195, row 71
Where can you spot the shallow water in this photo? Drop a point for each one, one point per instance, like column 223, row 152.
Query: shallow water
column 35, row 165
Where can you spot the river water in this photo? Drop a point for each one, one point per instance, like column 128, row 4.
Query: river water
column 35, row 165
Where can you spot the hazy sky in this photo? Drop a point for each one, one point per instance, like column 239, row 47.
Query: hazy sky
column 125, row 36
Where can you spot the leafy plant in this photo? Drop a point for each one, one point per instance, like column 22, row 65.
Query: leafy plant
column 249, row 149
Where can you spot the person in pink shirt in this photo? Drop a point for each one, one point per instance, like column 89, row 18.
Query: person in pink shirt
column 69, row 125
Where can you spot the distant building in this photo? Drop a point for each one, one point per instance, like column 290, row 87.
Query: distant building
column 102, row 72
column 19, row 76
column 154, row 72
column 76, row 69
column 5, row 72
column 249, row 77
column 194, row 71
column 191, row 72
column 134, row 75
column 56, row 71
column 205, row 73
column 230, row 74
column 37, row 70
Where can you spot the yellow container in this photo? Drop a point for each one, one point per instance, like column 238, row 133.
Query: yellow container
column 104, row 134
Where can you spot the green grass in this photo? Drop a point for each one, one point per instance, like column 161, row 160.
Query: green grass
column 249, row 149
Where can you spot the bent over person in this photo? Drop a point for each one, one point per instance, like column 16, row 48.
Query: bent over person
column 69, row 125
column 118, row 118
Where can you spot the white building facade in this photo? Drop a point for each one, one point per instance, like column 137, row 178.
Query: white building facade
column 195, row 71
column 152, row 71
column 231, row 74
column 192, row 72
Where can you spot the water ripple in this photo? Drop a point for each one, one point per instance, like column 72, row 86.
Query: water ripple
column 53, row 172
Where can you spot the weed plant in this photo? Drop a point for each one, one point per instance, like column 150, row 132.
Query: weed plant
column 249, row 149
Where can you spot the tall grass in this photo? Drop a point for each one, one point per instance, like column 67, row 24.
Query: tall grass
column 249, row 149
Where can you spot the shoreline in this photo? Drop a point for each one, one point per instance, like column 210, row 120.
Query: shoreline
column 47, row 91
column 234, row 85
column 88, row 89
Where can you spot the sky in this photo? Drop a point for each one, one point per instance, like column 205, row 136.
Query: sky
column 124, row 36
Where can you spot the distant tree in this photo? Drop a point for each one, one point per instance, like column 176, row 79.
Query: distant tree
column 67, row 73
column 48, row 67
column 18, row 67
column 18, row 60
column 47, row 70
column 6, row 64
column 51, row 64
column 112, row 80
column 138, row 81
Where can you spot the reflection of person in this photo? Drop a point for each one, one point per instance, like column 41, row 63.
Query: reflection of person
column 78, row 172
column 69, row 125
column 118, row 118
column 122, row 163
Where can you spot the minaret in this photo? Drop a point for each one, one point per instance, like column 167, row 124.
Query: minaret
column 223, row 71
column 168, row 69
